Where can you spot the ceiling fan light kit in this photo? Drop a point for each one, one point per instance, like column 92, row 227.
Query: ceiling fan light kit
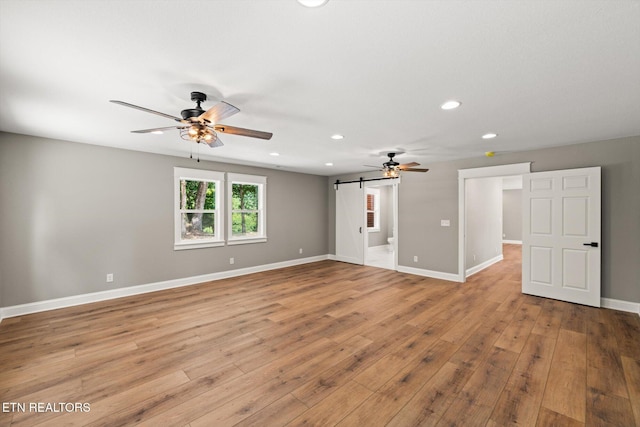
column 390, row 172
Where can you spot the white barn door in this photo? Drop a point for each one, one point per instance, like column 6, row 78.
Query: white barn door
column 561, row 235
column 350, row 223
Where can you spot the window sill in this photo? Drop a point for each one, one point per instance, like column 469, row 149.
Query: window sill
column 241, row 241
column 198, row 245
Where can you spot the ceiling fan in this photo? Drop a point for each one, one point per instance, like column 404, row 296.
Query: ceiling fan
column 199, row 125
column 391, row 169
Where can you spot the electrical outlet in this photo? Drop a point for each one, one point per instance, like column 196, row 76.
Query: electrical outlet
column 445, row 223
column 415, row 258
column 300, row 251
column 232, row 260
column 109, row 277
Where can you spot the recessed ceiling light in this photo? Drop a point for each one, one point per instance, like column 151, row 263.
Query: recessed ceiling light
column 328, row 164
column 489, row 135
column 312, row 3
column 337, row 136
column 274, row 154
column 450, row 105
column 157, row 132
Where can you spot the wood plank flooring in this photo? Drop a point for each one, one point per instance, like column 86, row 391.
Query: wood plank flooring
column 326, row 344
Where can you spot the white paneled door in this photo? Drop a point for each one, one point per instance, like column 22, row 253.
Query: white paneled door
column 561, row 235
column 350, row 223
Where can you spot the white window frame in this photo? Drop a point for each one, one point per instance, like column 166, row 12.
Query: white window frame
column 261, row 182
column 375, row 192
column 198, row 175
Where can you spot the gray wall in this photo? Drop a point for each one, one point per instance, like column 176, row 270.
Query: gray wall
column 512, row 214
column 484, row 220
column 426, row 198
column 71, row 213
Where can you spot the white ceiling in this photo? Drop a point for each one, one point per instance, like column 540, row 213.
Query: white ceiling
column 538, row 73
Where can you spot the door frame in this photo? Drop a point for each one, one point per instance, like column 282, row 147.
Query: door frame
column 394, row 205
column 483, row 172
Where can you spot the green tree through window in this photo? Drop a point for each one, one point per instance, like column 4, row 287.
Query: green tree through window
column 245, row 209
column 197, row 203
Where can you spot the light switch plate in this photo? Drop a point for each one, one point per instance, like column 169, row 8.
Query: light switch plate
column 445, row 223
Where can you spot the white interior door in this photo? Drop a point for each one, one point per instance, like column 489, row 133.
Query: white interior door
column 350, row 223
column 561, row 235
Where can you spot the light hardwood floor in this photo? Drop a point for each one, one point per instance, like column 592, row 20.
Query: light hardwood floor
column 324, row 344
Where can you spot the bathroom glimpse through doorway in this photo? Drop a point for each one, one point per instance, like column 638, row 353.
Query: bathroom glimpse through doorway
column 381, row 225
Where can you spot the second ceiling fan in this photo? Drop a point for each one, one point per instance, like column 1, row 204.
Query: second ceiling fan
column 199, row 125
column 391, row 168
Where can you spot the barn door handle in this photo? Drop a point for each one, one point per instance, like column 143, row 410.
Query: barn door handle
column 592, row 244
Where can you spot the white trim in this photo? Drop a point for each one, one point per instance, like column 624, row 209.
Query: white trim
column 616, row 304
column 245, row 240
column 195, row 245
column 512, row 242
column 35, row 307
column 463, row 175
column 261, row 183
column 451, row 277
column 488, row 263
column 500, row 170
column 197, row 175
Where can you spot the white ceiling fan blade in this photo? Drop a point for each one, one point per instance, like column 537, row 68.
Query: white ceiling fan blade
column 159, row 129
column 218, row 112
column 215, row 143
column 146, row 110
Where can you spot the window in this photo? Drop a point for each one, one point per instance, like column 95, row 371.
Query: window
column 247, row 201
column 373, row 209
column 198, row 209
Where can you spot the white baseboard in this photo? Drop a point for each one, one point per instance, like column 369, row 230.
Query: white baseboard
column 473, row 270
column 430, row 273
column 512, row 242
column 35, row 307
column 616, row 304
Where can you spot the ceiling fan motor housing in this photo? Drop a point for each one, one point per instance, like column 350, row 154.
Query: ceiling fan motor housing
column 198, row 97
column 391, row 163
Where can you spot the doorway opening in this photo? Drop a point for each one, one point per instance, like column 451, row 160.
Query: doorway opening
column 471, row 236
column 381, row 212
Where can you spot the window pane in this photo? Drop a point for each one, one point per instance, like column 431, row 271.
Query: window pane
column 370, row 219
column 244, row 223
column 198, row 226
column 197, row 194
column 244, row 196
